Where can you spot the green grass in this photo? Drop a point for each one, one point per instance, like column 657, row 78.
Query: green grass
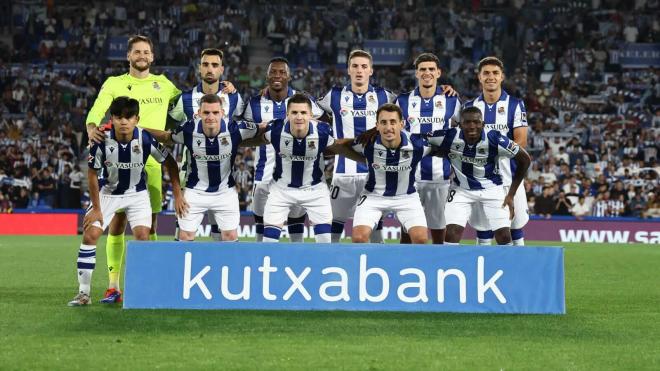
column 613, row 322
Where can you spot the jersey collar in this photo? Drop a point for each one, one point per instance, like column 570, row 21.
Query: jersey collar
column 438, row 91
column 503, row 96
column 113, row 135
column 289, row 93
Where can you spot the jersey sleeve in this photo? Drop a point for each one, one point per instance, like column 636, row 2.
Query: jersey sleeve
column 505, row 146
column 357, row 147
column 420, row 141
column 102, row 102
column 456, row 116
column 520, row 115
column 240, row 107
column 95, row 158
column 158, row 151
column 248, row 130
column 269, row 131
column 179, row 134
column 391, row 97
column 326, row 130
column 177, row 112
column 436, row 138
column 248, row 115
column 174, row 92
column 317, row 112
column 324, row 103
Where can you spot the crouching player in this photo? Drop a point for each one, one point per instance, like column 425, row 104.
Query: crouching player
column 212, row 142
column 120, row 159
column 475, row 154
column 298, row 177
column 392, row 157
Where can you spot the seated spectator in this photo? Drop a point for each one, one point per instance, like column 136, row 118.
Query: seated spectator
column 545, row 205
column 637, row 205
column 581, row 209
column 562, row 205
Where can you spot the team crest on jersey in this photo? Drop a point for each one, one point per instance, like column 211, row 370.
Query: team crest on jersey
column 224, row 141
column 405, row 154
column 311, row 145
column 156, row 86
column 371, row 99
column 482, row 151
column 438, row 104
column 500, row 110
column 136, row 148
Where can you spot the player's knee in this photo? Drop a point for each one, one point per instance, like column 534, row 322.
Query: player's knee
column 418, row 235
column 91, row 235
column 230, row 235
column 118, row 224
column 186, row 235
column 141, row 233
column 453, row 233
column 361, row 234
column 503, row 236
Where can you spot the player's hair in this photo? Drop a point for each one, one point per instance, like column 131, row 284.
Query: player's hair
column 472, row 109
column 389, row 107
column 299, row 98
column 212, row 51
column 360, row 53
column 139, row 38
column 210, row 99
column 427, row 57
column 279, row 60
column 493, row 61
column 124, row 107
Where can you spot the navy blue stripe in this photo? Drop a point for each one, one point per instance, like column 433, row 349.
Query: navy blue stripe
column 359, row 123
column 392, row 177
column 236, row 139
column 513, row 104
column 491, row 164
column 279, row 111
column 275, row 135
column 335, row 105
column 468, row 169
column 371, row 180
column 193, row 178
column 147, row 142
column 213, row 167
column 233, row 101
column 403, row 101
column 322, row 228
column 123, row 175
column 298, row 167
column 186, row 98
column 86, row 265
column 87, row 254
column 418, row 151
column 317, row 174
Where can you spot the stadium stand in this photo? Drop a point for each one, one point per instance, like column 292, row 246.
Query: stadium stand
column 595, row 124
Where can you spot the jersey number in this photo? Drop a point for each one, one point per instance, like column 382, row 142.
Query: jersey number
column 450, row 197
column 335, row 192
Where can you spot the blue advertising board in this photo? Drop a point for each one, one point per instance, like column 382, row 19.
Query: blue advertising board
column 117, row 47
column 387, row 52
column 420, row 278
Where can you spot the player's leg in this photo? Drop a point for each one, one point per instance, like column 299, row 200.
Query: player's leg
column 227, row 213
column 295, row 224
column 260, row 193
column 197, row 207
column 215, row 230
column 344, row 193
column 457, row 212
column 434, row 197
column 367, row 213
column 479, row 222
column 154, row 172
column 409, row 211
column 316, row 202
column 497, row 216
column 114, row 248
column 521, row 216
column 277, row 208
column 377, row 233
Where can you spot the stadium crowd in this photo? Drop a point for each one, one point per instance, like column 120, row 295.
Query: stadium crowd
column 595, row 127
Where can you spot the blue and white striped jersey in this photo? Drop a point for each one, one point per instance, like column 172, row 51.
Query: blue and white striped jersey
column 353, row 114
column 211, row 160
column 426, row 115
column 476, row 166
column 261, row 108
column 392, row 171
column 504, row 115
column 122, row 164
column 188, row 104
column 299, row 162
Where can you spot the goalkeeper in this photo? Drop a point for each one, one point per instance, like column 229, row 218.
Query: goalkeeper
column 155, row 93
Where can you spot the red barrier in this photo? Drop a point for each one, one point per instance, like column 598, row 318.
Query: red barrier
column 39, row 224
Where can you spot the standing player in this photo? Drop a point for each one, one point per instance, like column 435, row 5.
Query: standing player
column 298, row 177
column 476, row 156
column 211, row 69
column 155, row 94
column 353, row 111
column 272, row 105
column 425, row 110
column 507, row 115
column 213, row 143
column 392, row 156
column 122, row 160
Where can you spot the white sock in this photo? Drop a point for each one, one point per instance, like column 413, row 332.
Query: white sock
column 450, row 243
column 267, row 239
column 296, row 237
column 323, row 238
column 86, row 264
column 519, row 242
column 484, row 241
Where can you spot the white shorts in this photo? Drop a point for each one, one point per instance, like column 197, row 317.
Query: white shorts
column 260, row 192
column 344, row 195
column 407, row 208
column 433, row 197
column 314, row 200
column 479, row 221
column 223, row 205
column 462, row 203
column 137, row 207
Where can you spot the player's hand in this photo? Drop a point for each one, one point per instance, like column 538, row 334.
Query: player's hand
column 508, row 201
column 367, row 137
column 448, row 90
column 96, row 134
column 229, row 87
column 91, row 217
column 181, row 206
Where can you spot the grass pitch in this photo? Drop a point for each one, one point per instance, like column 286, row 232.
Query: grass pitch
column 612, row 322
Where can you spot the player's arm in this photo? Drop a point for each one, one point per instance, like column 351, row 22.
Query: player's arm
column 523, row 160
column 344, row 147
column 180, row 204
column 162, row 136
column 520, row 125
column 96, row 114
column 520, row 136
column 228, row 87
column 259, row 139
column 94, row 215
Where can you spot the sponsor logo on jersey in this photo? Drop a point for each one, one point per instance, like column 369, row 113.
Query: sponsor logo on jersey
column 152, row 100
column 297, row 158
column 469, row 160
column 204, row 158
column 124, row 165
column 394, row 168
column 357, row 112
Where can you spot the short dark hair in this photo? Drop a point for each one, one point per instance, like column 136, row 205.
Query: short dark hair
column 360, row 53
column 494, row 61
column 210, row 99
column 212, row 51
column 279, row 60
column 139, row 38
column 124, row 107
column 471, row 109
column 427, row 57
column 299, row 98
column 389, row 107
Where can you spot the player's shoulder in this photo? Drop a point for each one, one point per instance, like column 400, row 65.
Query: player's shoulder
column 494, row 136
column 323, row 128
column 405, row 95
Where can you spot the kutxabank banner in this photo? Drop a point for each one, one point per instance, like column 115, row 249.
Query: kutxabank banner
column 416, row 278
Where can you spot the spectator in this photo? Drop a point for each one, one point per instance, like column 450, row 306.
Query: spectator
column 545, row 205
column 562, row 205
column 581, row 209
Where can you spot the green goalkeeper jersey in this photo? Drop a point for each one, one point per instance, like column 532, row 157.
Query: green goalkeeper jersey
column 155, row 94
